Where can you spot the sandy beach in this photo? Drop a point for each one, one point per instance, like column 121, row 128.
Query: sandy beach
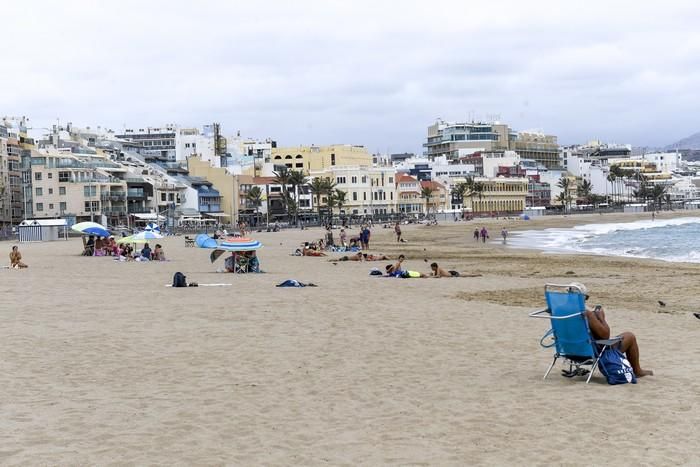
column 100, row 363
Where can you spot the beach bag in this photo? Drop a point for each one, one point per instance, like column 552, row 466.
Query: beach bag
column 179, row 280
column 616, row 368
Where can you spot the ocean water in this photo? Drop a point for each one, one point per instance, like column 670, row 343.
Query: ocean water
column 676, row 240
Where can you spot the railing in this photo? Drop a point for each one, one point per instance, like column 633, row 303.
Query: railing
column 133, row 193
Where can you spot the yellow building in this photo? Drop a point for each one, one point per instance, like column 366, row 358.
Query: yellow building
column 226, row 183
column 499, row 195
column 309, row 158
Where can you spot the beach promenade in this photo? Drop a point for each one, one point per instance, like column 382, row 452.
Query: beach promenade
column 101, row 364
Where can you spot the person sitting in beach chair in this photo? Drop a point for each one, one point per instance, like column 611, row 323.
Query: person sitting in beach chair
column 88, row 246
column 581, row 336
column 189, row 241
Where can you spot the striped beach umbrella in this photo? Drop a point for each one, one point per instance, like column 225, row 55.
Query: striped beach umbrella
column 239, row 244
column 91, row 228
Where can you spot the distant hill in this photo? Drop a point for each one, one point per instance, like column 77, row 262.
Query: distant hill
column 691, row 142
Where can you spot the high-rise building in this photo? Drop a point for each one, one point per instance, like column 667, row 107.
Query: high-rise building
column 458, row 140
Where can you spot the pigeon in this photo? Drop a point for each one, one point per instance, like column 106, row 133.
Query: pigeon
column 425, row 259
column 662, row 303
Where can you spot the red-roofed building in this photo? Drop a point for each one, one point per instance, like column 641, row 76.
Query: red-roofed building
column 408, row 194
column 438, row 200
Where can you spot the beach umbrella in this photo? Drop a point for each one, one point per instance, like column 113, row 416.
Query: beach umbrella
column 141, row 237
column 91, row 228
column 152, row 227
column 239, row 244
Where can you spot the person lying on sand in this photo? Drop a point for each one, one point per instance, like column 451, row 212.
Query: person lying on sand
column 371, row 257
column 310, row 252
column 394, row 270
column 438, row 272
column 600, row 330
column 356, row 257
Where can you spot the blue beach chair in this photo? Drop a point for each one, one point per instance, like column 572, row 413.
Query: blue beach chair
column 572, row 337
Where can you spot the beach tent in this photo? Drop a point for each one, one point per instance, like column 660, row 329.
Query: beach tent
column 42, row 230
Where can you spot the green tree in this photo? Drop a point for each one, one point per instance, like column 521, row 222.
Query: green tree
column 296, row 180
column 427, row 192
column 459, row 191
column 254, row 196
column 565, row 196
column 282, row 175
column 340, row 198
column 584, row 190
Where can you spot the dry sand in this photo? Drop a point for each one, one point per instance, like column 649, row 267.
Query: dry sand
column 102, row 364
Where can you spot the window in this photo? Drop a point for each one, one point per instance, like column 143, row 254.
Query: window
column 50, row 206
column 354, row 196
column 50, row 191
column 92, row 206
column 332, row 158
column 171, row 196
column 163, row 197
column 37, row 175
column 39, row 207
column 61, row 190
column 62, row 206
column 340, row 180
column 391, row 180
column 353, row 179
column 299, row 165
column 364, row 179
column 39, row 191
column 89, row 191
column 364, row 196
column 64, row 176
column 50, row 175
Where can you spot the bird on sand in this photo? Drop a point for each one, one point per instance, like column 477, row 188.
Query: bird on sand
column 662, row 303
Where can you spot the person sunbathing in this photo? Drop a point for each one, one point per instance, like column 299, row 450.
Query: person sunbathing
column 600, row 330
column 371, row 257
column 393, row 271
column 16, row 259
column 438, row 272
column 309, row 252
column 356, row 257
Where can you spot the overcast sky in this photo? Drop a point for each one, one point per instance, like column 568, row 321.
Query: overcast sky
column 364, row 72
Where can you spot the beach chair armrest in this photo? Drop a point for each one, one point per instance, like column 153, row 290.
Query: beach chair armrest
column 609, row 342
column 545, row 313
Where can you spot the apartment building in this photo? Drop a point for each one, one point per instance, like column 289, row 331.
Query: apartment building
column 315, row 158
column 438, row 201
column 369, row 190
column 500, row 195
column 83, row 189
column 457, row 140
column 408, row 193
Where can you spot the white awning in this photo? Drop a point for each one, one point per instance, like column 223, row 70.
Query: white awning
column 151, row 216
column 216, row 214
column 44, row 222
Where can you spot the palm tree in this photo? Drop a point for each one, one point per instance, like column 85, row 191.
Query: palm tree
column 459, row 190
column 658, row 193
column 282, row 176
column 427, row 192
column 477, row 190
column 565, row 197
column 317, row 189
column 255, row 197
column 340, row 197
column 611, row 178
column 584, row 191
column 297, row 179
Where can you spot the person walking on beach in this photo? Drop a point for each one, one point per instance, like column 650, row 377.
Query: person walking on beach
column 16, row 259
column 504, row 234
column 364, row 237
column 484, row 234
column 397, row 231
column 476, row 234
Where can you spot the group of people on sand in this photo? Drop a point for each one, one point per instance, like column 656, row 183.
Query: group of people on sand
column 242, row 261
column 98, row 246
column 359, row 256
column 397, row 270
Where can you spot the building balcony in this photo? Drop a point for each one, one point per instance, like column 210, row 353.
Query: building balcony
column 134, row 193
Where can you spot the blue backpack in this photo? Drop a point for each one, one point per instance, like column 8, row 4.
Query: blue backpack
column 615, row 367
